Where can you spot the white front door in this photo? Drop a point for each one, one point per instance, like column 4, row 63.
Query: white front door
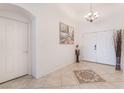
column 89, row 47
column 98, row 47
column 13, row 49
column 105, row 48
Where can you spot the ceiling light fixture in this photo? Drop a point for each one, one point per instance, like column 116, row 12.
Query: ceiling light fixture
column 91, row 16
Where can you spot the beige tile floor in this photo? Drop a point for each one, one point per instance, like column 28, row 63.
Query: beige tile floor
column 65, row 78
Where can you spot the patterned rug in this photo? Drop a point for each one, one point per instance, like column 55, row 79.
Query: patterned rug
column 87, row 76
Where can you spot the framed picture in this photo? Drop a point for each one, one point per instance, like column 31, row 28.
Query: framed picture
column 66, row 34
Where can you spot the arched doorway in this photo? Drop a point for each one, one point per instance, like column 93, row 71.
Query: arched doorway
column 15, row 42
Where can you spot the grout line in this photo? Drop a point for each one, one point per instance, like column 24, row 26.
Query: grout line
column 45, row 82
column 61, row 78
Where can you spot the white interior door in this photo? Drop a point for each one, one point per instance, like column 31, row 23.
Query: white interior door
column 105, row 48
column 13, row 49
column 89, row 47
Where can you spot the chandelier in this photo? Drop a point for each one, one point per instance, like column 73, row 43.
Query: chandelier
column 91, row 16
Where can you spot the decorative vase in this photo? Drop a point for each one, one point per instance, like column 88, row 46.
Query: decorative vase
column 118, row 44
column 118, row 66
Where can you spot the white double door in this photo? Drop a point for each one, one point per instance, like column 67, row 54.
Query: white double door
column 13, row 49
column 98, row 47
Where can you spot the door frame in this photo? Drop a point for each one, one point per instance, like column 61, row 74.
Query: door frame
column 29, row 47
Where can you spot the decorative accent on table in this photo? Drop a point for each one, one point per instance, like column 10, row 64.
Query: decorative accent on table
column 87, row 76
column 66, row 34
column 118, row 44
column 77, row 53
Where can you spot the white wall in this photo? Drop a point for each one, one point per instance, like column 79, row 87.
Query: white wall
column 50, row 55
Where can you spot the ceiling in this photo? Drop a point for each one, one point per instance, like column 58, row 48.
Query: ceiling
column 77, row 11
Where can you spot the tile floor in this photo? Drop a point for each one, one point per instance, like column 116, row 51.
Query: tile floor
column 65, row 79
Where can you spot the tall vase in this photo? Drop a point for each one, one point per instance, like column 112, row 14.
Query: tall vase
column 118, row 66
column 118, row 44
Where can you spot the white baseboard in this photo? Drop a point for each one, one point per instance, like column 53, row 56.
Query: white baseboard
column 54, row 69
column 97, row 62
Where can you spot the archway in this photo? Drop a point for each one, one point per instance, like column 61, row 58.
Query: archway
column 16, row 42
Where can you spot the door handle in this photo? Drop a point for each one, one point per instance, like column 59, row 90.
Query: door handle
column 94, row 47
column 26, row 51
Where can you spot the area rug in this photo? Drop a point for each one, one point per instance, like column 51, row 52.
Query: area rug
column 87, row 76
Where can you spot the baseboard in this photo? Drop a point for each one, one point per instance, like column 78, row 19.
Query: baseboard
column 13, row 79
column 58, row 67
column 97, row 62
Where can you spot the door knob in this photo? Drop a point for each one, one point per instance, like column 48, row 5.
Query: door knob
column 26, row 51
column 94, row 47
